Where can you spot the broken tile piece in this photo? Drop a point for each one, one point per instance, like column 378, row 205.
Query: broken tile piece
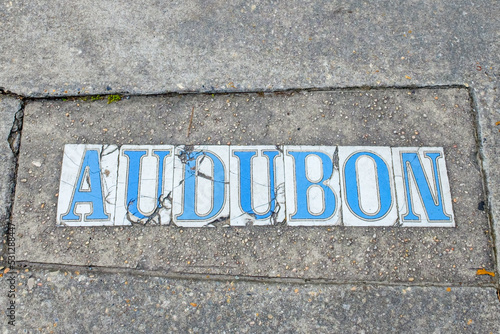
column 87, row 189
column 144, row 191
column 422, row 187
column 368, row 191
column 201, row 186
column 257, row 185
column 312, row 188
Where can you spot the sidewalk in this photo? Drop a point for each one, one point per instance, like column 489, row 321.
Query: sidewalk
column 415, row 74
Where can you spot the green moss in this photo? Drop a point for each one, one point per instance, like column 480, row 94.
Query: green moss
column 96, row 98
column 114, row 98
column 111, row 98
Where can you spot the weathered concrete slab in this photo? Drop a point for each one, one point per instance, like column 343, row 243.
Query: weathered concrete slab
column 9, row 110
column 387, row 117
column 75, row 302
column 54, row 49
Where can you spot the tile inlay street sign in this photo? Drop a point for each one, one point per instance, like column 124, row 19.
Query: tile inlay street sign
column 195, row 186
column 325, row 185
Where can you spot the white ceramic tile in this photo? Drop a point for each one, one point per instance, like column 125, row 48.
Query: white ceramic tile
column 422, row 187
column 368, row 190
column 87, row 188
column 311, row 186
column 257, row 190
column 201, row 185
column 371, row 186
column 145, row 178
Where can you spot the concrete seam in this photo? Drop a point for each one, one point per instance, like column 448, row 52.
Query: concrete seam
column 14, row 140
column 253, row 91
column 484, row 177
column 243, row 278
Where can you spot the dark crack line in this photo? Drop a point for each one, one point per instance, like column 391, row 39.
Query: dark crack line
column 104, row 148
column 167, row 273
column 274, row 214
column 162, row 201
column 69, row 158
column 14, row 140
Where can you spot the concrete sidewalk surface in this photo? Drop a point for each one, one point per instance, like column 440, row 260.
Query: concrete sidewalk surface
column 393, row 74
column 77, row 301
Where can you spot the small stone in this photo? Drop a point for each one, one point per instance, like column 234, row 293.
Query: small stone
column 31, row 283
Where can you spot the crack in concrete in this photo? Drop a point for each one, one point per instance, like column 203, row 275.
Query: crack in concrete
column 481, row 157
column 14, row 137
column 167, row 273
column 222, row 92
column 14, row 140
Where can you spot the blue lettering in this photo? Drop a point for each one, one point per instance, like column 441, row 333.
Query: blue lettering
column 218, row 180
column 433, row 205
column 94, row 195
column 302, row 185
column 352, row 187
column 134, row 168
column 245, row 158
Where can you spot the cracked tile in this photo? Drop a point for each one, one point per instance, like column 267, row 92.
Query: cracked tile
column 145, row 179
column 368, row 191
column 312, row 186
column 422, row 187
column 201, row 186
column 257, row 185
column 87, row 189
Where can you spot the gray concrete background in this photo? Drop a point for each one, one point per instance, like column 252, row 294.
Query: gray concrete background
column 53, row 48
column 72, row 301
column 56, row 49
